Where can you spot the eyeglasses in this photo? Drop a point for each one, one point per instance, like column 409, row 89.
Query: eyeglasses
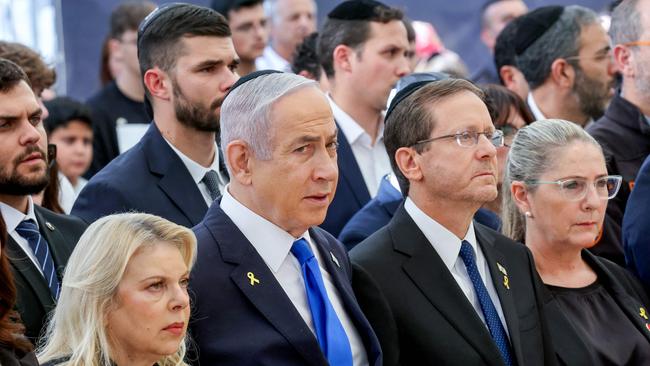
column 575, row 189
column 636, row 43
column 469, row 138
column 509, row 132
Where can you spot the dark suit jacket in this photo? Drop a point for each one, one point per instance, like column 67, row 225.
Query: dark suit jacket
column 12, row 357
column 421, row 315
column 34, row 300
column 236, row 323
column 351, row 191
column 636, row 231
column 379, row 210
column 624, row 289
column 151, row 178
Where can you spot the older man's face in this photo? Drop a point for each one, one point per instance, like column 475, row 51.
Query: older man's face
column 295, row 187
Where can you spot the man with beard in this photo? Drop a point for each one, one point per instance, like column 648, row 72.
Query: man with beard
column 624, row 130
column 188, row 63
column 564, row 54
column 40, row 241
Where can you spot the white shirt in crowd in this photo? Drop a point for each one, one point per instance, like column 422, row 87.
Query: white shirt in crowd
column 372, row 159
column 273, row 244
column 447, row 245
column 197, row 171
column 271, row 60
column 12, row 219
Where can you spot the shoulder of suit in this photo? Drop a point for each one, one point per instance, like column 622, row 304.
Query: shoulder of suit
column 368, row 249
column 57, row 220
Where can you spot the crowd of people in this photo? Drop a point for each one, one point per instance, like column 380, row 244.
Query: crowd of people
column 250, row 189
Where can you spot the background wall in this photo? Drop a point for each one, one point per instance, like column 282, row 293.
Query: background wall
column 85, row 24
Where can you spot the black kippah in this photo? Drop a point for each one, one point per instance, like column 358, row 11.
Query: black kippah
column 224, row 6
column 410, row 84
column 356, row 10
column 251, row 76
column 534, row 24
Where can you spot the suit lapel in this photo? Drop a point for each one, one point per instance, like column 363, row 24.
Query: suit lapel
column 175, row 181
column 59, row 248
column 267, row 295
column 494, row 259
column 32, row 277
column 349, row 170
column 429, row 273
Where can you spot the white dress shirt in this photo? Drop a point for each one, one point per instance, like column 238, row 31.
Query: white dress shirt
column 274, row 246
column 372, row 159
column 271, row 60
column 447, row 245
column 197, row 171
column 537, row 113
column 12, row 219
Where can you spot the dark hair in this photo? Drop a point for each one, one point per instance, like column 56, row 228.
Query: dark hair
column 52, row 191
column 504, row 46
column 11, row 328
column 10, row 75
column 127, row 17
column 226, row 6
column 160, row 33
column 500, row 100
column 62, row 111
column 305, row 58
column 413, row 120
column 352, row 33
column 105, row 74
column 410, row 31
column 39, row 74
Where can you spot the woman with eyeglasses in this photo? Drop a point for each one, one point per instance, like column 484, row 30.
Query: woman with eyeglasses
column 509, row 113
column 596, row 310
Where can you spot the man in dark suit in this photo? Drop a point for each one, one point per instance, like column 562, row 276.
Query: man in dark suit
column 363, row 48
column 188, row 63
column 284, row 285
column 40, row 241
column 437, row 287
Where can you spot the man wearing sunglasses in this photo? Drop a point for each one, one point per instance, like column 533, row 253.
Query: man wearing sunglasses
column 470, row 291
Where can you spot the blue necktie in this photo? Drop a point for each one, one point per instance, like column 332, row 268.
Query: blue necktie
column 330, row 333
column 28, row 230
column 489, row 311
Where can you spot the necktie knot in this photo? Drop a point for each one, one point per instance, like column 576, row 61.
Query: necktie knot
column 467, row 252
column 300, row 249
column 211, row 180
column 28, row 229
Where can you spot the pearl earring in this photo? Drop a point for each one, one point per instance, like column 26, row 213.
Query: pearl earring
column 528, row 214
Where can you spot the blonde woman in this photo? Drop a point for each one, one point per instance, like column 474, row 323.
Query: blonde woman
column 124, row 295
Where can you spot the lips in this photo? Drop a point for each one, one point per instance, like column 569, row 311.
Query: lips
column 319, row 197
column 175, row 328
column 484, row 173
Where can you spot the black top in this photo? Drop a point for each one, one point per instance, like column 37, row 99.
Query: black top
column 607, row 332
column 108, row 106
column 13, row 357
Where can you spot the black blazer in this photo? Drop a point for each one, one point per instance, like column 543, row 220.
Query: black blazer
column 626, row 291
column 236, row 323
column 422, row 317
column 150, row 178
column 12, row 357
column 34, row 300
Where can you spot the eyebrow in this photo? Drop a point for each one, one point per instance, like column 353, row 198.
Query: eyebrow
column 314, row 138
column 36, row 113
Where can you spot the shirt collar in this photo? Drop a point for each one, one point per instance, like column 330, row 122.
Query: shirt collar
column 446, row 244
column 271, row 242
column 276, row 59
column 537, row 113
column 197, row 171
column 14, row 217
column 350, row 128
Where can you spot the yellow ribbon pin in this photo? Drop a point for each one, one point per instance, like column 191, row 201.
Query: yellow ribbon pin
column 251, row 277
column 506, row 283
column 643, row 314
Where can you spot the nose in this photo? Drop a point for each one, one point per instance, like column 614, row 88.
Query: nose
column 592, row 200
column 403, row 68
column 326, row 166
column 229, row 81
column 180, row 299
column 31, row 134
column 485, row 148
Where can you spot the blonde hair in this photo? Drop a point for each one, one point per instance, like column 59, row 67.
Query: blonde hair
column 76, row 333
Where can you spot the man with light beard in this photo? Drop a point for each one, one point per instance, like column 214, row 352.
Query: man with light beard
column 188, row 63
column 565, row 56
column 624, row 130
column 38, row 268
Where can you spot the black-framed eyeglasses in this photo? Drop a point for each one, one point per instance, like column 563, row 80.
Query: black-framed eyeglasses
column 469, row 138
column 575, row 189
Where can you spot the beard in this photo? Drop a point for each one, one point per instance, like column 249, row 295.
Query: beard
column 12, row 183
column 593, row 95
column 196, row 115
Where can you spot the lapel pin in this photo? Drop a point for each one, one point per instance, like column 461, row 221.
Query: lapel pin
column 502, row 269
column 49, row 226
column 506, row 282
column 643, row 313
column 336, row 261
column 251, row 277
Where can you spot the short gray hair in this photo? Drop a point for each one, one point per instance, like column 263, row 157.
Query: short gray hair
column 562, row 40
column 246, row 110
column 626, row 23
column 271, row 9
column 531, row 154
